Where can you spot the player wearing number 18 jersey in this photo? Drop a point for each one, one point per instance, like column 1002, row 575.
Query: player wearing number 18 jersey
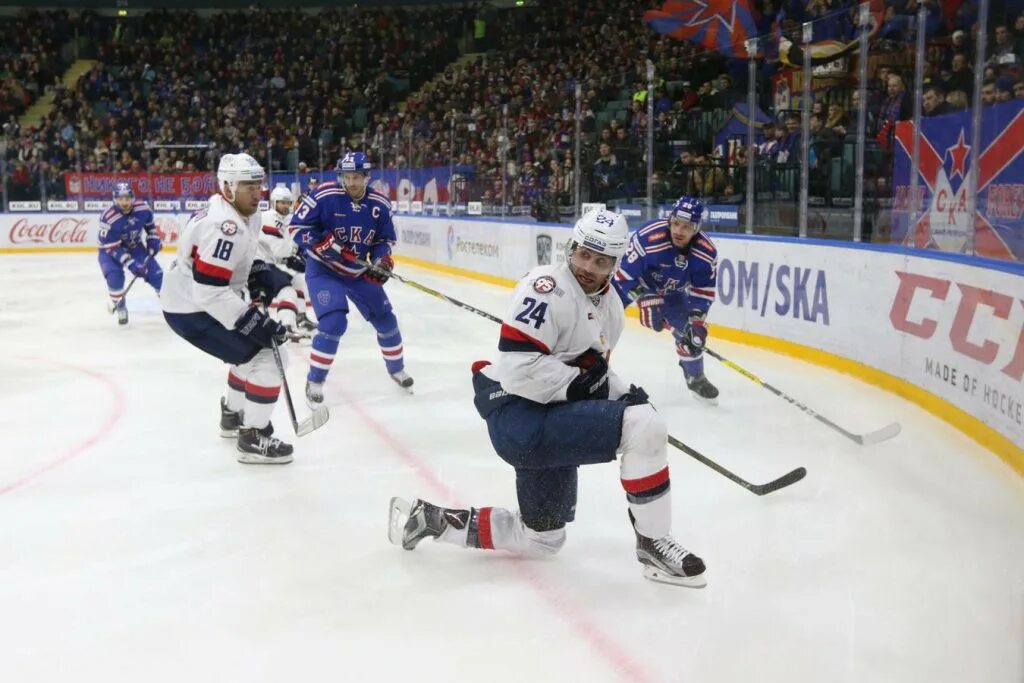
column 204, row 302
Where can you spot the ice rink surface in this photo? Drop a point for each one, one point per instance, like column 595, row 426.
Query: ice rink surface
column 133, row 547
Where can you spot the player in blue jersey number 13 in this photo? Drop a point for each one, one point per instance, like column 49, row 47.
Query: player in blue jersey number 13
column 670, row 270
column 551, row 404
column 346, row 233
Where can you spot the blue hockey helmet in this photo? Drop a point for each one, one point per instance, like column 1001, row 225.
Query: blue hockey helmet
column 123, row 189
column 353, row 161
column 688, row 208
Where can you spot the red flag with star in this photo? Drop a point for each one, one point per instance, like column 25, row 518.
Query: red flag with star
column 722, row 25
column 940, row 216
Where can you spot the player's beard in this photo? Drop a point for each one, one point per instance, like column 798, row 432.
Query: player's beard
column 588, row 282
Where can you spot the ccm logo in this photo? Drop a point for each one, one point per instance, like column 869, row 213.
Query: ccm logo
column 971, row 298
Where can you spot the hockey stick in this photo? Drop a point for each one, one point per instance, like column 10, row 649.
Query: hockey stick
column 124, row 294
column 757, row 489
column 317, row 419
column 439, row 295
column 877, row 436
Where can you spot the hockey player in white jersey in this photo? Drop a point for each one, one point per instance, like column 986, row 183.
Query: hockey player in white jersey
column 203, row 299
column 552, row 404
column 278, row 248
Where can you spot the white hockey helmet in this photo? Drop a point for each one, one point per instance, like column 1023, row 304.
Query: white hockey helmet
column 603, row 231
column 280, row 194
column 234, row 168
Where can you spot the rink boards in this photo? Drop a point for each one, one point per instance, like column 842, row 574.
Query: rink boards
column 942, row 330
column 946, row 332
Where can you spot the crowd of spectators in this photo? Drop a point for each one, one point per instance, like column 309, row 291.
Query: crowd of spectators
column 297, row 88
column 281, row 84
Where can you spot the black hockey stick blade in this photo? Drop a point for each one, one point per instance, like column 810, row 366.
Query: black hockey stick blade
column 780, row 483
column 785, row 480
column 317, row 419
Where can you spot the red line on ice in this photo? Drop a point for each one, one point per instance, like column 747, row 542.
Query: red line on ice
column 101, row 433
column 583, row 626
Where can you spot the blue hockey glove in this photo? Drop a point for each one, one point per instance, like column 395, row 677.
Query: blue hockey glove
column 154, row 244
column 137, row 268
column 636, row 396
column 592, row 382
column 695, row 335
column 650, row 308
column 380, row 271
column 261, row 328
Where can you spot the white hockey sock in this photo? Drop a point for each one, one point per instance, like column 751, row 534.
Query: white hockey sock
column 235, row 394
column 262, row 385
column 493, row 528
column 299, row 285
column 644, row 470
column 286, row 307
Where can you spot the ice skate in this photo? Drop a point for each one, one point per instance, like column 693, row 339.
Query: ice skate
column 314, row 394
column 665, row 561
column 403, row 380
column 259, row 447
column 304, row 324
column 410, row 523
column 702, row 389
column 230, row 420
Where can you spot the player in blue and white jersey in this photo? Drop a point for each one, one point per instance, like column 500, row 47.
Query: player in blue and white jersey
column 346, row 232
column 670, row 271
column 128, row 239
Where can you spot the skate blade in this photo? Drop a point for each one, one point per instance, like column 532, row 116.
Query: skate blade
column 404, row 387
column 659, row 576
column 704, row 401
column 316, row 420
column 229, row 433
column 257, row 459
column 398, row 514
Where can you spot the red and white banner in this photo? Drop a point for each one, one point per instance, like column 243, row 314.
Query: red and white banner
column 158, row 186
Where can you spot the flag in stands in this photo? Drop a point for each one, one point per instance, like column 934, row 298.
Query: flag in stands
column 722, row 25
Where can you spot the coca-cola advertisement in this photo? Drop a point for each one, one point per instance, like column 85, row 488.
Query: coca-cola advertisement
column 46, row 230
column 78, row 231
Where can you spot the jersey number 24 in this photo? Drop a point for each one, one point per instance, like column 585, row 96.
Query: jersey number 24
column 533, row 313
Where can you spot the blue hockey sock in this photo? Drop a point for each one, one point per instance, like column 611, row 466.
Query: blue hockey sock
column 391, row 348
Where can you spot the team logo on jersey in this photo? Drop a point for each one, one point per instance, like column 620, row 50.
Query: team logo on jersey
column 681, row 261
column 229, row 228
column 324, row 297
column 544, row 284
column 543, row 250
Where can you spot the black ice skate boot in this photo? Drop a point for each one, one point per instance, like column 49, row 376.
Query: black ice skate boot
column 665, row 561
column 314, row 394
column 304, row 324
column 230, row 420
column 122, row 313
column 408, row 524
column 402, row 379
column 702, row 389
column 258, row 447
